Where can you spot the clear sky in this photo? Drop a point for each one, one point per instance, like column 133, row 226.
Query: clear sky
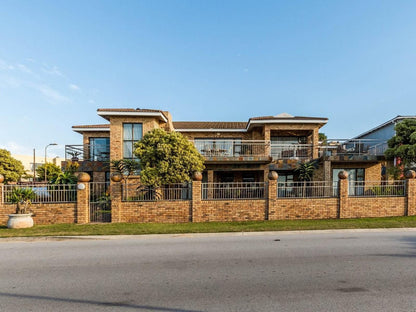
column 351, row 61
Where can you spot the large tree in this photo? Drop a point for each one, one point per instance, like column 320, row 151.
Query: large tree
column 402, row 146
column 167, row 157
column 12, row 169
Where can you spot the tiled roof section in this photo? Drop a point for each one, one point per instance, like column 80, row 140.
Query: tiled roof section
column 92, row 126
column 209, row 125
column 131, row 110
column 287, row 118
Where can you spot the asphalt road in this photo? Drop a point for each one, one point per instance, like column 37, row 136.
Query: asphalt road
column 346, row 271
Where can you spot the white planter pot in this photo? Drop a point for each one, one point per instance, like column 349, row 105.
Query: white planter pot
column 20, row 221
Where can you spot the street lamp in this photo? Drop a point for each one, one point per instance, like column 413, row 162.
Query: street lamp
column 46, row 170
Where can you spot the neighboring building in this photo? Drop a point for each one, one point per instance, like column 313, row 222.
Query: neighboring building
column 234, row 151
column 27, row 161
column 381, row 134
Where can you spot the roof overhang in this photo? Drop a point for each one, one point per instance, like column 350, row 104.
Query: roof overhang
column 104, row 114
column 90, row 129
column 286, row 121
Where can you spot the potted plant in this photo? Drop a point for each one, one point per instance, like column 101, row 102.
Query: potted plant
column 22, row 197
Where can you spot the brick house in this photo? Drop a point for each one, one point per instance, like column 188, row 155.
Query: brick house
column 234, row 151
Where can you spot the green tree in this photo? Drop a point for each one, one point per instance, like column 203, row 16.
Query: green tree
column 22, row 197
column 52, row 172
column 322, row 137
column 403, row 145
column 12, row 169
column 167, row 157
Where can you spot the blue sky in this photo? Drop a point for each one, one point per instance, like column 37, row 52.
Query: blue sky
column 351, row 61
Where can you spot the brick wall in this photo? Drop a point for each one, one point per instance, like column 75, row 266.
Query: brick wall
column 367, row 207
column 53, row 213
column 302, row 208
column 158, row 212
column 229, row 210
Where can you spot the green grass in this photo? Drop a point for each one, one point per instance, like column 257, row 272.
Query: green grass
column 211, row 227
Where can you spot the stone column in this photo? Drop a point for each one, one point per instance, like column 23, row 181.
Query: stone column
column 83, row 202
column 343, row 194
column 315, row 143
column 116, row 201
column 411, row 192
column 271, row 208
column 196, row 197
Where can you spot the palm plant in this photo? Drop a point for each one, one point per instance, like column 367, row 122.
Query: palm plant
column 22, row 197
column 305, row 172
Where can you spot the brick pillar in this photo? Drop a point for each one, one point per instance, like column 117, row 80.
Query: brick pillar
column 343, row 194
column 1, row 194
column 411, row 192
column 83, row 202
column 196, row 201
column 271, row 212
column 210, row 180
column 116, row 203
column 315, row 143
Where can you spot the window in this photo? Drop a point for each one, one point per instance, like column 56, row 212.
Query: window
column 132, row 132
column 99, row 149
column 355, row 178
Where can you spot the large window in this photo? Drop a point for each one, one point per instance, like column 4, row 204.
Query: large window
column 132, row 132
column 99, row 149
column 355, row 178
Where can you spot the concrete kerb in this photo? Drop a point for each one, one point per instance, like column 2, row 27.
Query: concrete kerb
column 197, row 235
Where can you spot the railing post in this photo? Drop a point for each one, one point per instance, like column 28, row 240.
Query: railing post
column 83, row 202
column 343, row 194
column 411, row 192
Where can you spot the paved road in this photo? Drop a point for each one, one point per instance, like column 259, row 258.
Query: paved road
column 346, row 271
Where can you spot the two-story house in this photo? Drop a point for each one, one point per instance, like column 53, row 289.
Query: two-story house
column 234, row 151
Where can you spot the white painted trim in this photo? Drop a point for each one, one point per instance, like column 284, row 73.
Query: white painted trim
column 145, row 114
column 211, row 130
column 90, row 129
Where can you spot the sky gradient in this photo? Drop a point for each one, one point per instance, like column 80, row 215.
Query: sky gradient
column 353, row 62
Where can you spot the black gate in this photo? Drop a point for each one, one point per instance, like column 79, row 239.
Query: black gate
column 100, row 202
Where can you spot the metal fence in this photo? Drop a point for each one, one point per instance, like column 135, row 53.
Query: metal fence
column 45, row 193
column 179, row 191
column 233, row 190
column 100, row 202
column 377, row 188
column 307, row 189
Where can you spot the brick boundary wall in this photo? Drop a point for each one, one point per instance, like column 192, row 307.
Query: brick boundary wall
column 198, row 210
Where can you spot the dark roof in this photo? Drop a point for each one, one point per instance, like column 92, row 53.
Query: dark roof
column 209, row 125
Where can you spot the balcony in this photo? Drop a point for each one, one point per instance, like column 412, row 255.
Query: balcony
column 229, row 150
column 353, row 149
column 88, row 152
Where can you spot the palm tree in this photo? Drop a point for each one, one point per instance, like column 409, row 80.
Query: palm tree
column 22, row 197
column 305, row 172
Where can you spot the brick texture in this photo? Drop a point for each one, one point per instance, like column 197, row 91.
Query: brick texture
column 157, row 212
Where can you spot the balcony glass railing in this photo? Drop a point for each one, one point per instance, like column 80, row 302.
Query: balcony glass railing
column 343, row 147
column 291, row 151
column 91, row 152
column 231, row 148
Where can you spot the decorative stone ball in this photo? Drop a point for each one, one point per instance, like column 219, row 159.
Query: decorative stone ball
column 84, row 177
column 1, row 178
column 197, row 176
column 410, row 174
column 116, row 177
column 273, row 175
column 343, row 175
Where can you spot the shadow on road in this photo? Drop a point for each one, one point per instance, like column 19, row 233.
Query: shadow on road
column 98, row 303
column 410, row 242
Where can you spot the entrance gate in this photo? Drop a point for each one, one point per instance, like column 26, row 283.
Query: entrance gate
column 100, row 203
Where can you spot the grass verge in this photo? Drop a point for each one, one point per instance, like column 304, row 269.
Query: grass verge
column 209, row 227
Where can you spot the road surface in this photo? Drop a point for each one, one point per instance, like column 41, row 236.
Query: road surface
column 341, row 271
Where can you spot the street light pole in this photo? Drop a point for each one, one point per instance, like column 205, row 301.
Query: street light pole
column 46, row 170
